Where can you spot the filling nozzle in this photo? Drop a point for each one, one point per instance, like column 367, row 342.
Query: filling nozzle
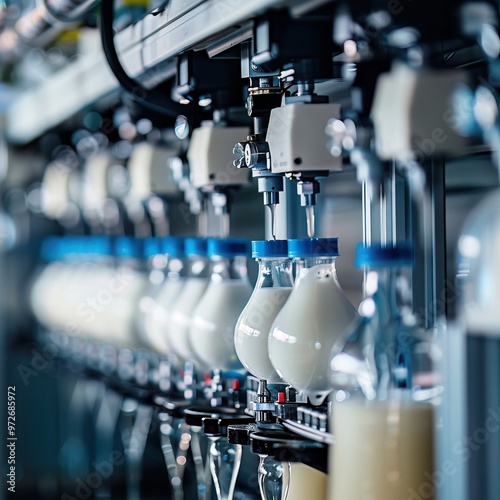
column 311, row 221
column 307, row 190
column 269, row 185
column 254, row 154
column 272, row 211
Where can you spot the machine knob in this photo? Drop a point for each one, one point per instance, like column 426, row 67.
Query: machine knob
column 251, row 154
column 257, row 154
column 240, row 156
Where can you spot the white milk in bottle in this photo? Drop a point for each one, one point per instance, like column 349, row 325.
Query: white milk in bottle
column 60, row 294
column 306, row 483
column 118, row 299
column 383, row 450
column 212, row 330
column 316, row 313
column 156, row 263
column 49, row 291
column 195, row 284
column 383, row 438
column 156, row 305
column 271, row 291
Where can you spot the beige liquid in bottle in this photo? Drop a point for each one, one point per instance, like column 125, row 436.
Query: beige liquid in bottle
column 212, row 330
column 118, row 319
column 252, row 331
column 304, row 331
column 182, row 315
column 152, row 333
column 157, row 323
column 306, row 483
column 382, row 450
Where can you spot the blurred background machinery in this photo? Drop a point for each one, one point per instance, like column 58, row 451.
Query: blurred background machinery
column 145, row 143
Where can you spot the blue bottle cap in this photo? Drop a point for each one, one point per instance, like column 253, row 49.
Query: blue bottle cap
column 128, row 247
column 74, row 247
column 269, row 248
column 376, row 255
column 51, row 249
column 196, row 246
column 228, row 247
column 173, row 246
column 96, row 245
column 151, row 246
column 313, row 247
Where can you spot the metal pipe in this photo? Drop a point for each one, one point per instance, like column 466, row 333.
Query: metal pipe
column 68, row 11
column 383, row 215
column 42, row 23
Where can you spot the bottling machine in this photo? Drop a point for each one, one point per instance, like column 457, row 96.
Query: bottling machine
column 249, row 249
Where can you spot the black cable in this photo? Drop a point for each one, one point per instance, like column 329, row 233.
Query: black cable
column 151, row 99
column 63, row 18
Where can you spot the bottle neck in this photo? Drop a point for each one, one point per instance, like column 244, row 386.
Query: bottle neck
column 158, row 262
column 228, row 268
column 392, row 287
column 304, row 263
column 388, row 297
column 165, row 266
column 131, row 263
column 198, row 266
column 175, row 268
column 275, row 273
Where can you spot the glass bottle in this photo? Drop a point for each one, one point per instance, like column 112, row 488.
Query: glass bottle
column 470, row 366
column 273, row 286
column 51, row 284
column 375, row 403
column 90, row 294
column 316, row 313
column 273, row 478
column 117, row 303
column 212, row 330
column 171, row 260
column 156, row 263
column 479, row 269
column 382, row 338
column 195, row 284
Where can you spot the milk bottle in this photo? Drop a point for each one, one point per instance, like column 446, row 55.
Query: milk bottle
column 45, row 291
column 118, row 299
column 195, row 284
column 274, row 284
column 306, row 483
column 379, row 429
column 155, row 263
column 58, row 293
column 316, row 313
column 212, row 330
column 383, row 449
column 165, row 282
column 474, row 342
column 90, row 269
